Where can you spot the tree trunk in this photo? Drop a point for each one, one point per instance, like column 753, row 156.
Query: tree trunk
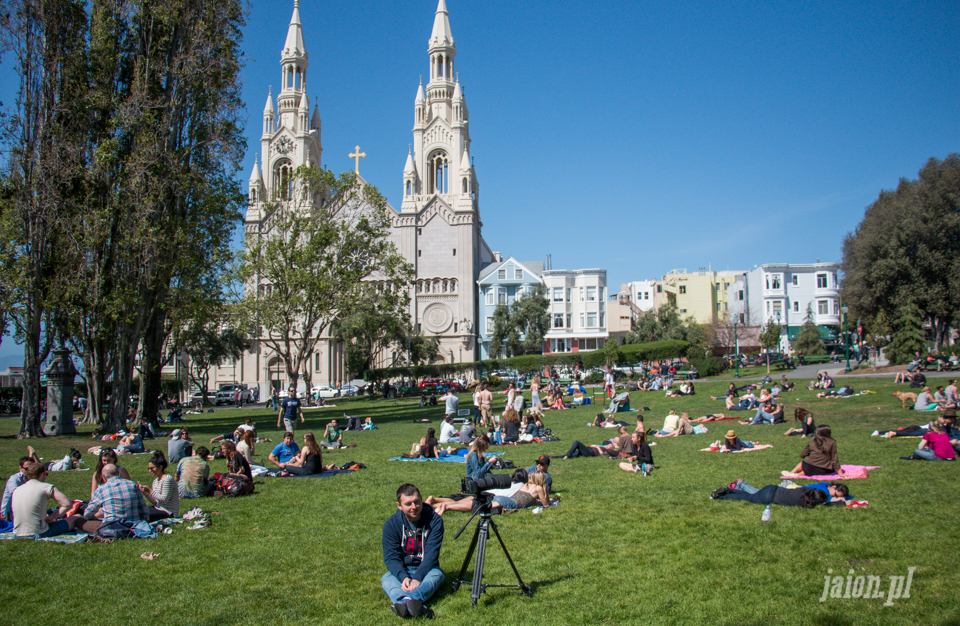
column 151, row 366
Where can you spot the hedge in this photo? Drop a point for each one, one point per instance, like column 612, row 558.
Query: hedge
column 629, row 353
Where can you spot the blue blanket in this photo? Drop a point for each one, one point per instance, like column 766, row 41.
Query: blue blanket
column 459, row 457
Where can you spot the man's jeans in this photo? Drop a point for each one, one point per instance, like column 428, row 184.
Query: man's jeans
column 391, row 586
column 762, row 417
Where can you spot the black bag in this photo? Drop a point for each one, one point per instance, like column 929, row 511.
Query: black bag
column 115, row 530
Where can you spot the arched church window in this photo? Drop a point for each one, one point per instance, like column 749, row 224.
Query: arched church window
column 443, row 286
column 436, row 285
column 409, row 188
column 438, row 172
column 440, row 66
column 453, row 285
column 283, row 179
column 464, row 185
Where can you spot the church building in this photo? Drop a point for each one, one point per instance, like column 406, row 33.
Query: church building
column 437, row 229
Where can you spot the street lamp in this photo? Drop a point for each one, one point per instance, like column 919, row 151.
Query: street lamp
column 736, row 350
column 846, row 336
column 480, row 352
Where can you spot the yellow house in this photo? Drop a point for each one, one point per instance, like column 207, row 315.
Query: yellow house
column 701, row 294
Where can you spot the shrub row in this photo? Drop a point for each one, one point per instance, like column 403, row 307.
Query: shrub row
column 528, row 363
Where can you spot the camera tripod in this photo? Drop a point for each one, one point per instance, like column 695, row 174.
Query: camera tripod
column 479, row 543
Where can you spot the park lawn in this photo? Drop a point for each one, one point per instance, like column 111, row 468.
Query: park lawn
column 619, row 549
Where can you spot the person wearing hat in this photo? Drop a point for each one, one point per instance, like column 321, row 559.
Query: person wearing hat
column 179, row 446
column 732, row 443
column 542, row 464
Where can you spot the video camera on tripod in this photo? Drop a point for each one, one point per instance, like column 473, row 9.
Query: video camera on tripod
column 482, row 506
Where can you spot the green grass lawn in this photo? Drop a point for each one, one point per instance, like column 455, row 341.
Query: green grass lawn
column 619, row 549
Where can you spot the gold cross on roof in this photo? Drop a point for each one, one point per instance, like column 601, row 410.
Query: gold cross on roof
column 356, row 156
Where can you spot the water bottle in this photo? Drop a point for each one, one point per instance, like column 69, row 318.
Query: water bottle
column 766, row 515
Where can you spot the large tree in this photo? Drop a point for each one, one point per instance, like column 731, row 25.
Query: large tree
column 519, row 328
column 770, row 338
column 41, row 174
column 313, row 262
column 208, row 345
column 907, row 247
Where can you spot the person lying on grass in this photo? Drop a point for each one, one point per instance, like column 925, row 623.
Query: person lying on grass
column 805, row 497
column 68, row 462
column 807, row 427
column 730, row 392
column 819, row 457
column 524, row 495
column 308, row 461
column 732, row 443
column 842, row 392
column 675, row 425
column 713, row 417
column 621, row 446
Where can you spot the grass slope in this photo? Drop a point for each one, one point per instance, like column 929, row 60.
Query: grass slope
column 620, row 548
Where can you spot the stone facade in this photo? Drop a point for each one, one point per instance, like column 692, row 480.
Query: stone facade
column 437, row 228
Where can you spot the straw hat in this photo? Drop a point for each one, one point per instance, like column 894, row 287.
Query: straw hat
column 731, row 434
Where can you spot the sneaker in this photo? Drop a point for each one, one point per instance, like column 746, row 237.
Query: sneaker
column 399, row 609
column 414, row 607
column 646, row 471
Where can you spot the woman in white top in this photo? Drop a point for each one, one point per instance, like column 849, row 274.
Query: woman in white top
column 246, row 445
column 162, row 495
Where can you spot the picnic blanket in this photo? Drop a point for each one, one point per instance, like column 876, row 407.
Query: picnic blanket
column 68, row 538
column 756, row 447
column 850, row 472
column 459, row 457
column 324, row 474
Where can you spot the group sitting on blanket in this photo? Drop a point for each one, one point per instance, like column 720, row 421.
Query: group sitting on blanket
column 806, row 497
column 823, row 381
column 936, row 444
column 675, row 425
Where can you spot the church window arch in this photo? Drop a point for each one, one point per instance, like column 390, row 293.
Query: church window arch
column 453, row 285
column 465, row 185
column 283, row 178
column 409, row 188
column 438, row 172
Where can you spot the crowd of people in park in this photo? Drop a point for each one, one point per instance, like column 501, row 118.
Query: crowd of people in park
column 413, row 535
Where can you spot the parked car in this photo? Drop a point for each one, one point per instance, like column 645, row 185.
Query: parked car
column 347, row 391
column 228, row 393
column 325, row 391
column 197, row 396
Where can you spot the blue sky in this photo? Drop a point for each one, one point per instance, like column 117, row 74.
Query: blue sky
column 640, row 136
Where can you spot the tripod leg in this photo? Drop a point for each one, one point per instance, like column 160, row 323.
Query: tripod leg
column 477, row 587
column 466, row 560
column 526, row 589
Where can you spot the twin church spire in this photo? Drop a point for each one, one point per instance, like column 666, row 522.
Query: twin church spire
column 439, row 162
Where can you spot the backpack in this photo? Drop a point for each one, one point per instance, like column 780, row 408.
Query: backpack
column 234, row 485
column 115, row 530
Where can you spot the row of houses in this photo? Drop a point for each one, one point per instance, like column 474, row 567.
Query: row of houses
column 583, row 316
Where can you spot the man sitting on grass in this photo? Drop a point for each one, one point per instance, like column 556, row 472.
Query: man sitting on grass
column 119, row 498
column 284, row 451
column 332, row 435
column 29, row 505
column 411, row 551
column 12, row 483
column 193, row 474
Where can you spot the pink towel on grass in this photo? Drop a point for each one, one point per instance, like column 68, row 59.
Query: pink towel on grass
column 850, row 472
column 756, row 447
